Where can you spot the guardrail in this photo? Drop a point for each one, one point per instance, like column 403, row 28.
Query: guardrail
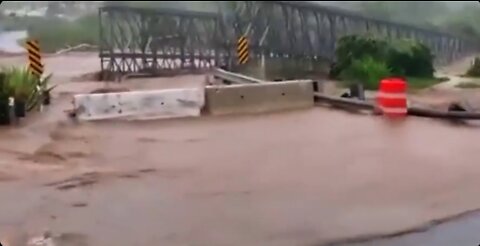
column 235, row 78
column 414, row 111
column 343, row 101
column 354, row 103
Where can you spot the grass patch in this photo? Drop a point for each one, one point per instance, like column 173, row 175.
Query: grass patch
column 19, row 83
column 474, row 70
column 367, row 71
column 415, row 83
column 468, row 85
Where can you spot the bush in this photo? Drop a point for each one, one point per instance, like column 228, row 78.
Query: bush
column 355, row 47
column 474, row 70
column 410, row 58
column 367, row 71
column 20, row 84
column 404, row 57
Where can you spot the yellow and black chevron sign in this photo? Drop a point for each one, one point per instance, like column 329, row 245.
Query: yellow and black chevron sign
column 242, row 50
column 34, row 58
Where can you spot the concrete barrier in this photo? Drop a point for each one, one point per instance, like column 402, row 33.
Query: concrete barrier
column 172, row 103
column 258, row 98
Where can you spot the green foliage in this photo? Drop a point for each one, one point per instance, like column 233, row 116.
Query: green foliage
column 410, row 58
column 355, row 47
column 20, row 84
column 36, row 97
column 402, row 57
column 367, row 60
column 3, row 86
column 474, row 70
column 416, row 83
column 367, row 71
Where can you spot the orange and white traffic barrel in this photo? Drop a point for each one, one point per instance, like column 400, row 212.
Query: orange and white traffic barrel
column 392, row 97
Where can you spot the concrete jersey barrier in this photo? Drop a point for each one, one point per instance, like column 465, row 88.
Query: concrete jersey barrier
column 259, row 98
column 172, row 103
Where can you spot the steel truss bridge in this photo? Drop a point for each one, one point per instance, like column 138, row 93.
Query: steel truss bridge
column 158, row 41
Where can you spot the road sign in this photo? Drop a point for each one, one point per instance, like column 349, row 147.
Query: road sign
column 34, row 58
column 242, row 50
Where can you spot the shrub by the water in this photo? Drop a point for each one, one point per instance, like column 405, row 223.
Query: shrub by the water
column 26, row 89
column 354, row 47
column 474, row 70
column 410, row 58
column 4, row 117
column 367, row 70
column 367, row 59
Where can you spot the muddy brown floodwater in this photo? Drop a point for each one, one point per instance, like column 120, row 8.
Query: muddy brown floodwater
column 304, row 177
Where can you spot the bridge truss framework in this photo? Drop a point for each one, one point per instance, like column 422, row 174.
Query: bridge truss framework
column 164, row 41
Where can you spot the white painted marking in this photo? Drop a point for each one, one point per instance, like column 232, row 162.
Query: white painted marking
column 391, row 95
column 394, row 110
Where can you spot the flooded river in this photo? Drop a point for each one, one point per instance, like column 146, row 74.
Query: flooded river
column 305, row 177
